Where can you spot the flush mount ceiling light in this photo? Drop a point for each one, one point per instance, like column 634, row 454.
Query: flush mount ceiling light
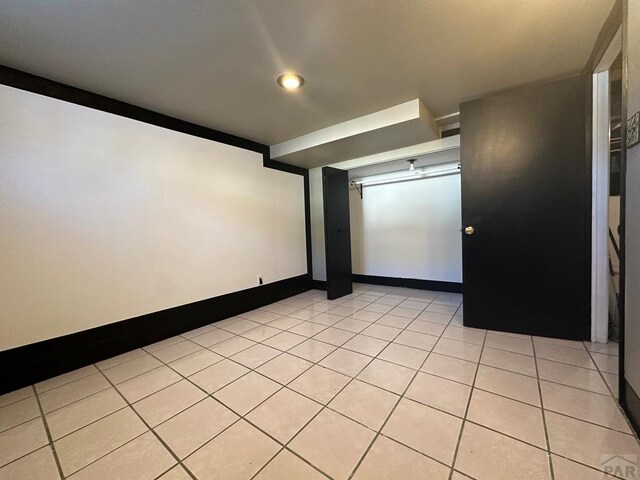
column 290, row 81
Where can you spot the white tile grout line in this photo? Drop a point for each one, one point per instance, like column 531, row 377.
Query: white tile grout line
column 266, row 399
column 326, row 407
column 393, row 409
column 242, row 417
column 345, row 384
column 357, row 422
column 624, row 415
column 352, row 378
column 544, row 416
column 314, row 363
column 464, row 420
column 149, row 429
column 46, row 427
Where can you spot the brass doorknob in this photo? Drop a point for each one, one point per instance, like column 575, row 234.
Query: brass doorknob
column 469, row 230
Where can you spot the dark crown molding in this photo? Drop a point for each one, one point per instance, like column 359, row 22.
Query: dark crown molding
column 35, row 362
column 42, row 86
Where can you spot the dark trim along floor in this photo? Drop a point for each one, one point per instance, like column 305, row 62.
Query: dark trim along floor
column 435, row 285
column 319, row 284
column 631, row 406
column 32, row 363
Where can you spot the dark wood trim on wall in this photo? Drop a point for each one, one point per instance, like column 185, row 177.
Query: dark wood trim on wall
column 622, row 383
column 32, row 363
column 319, row 284
column 285, row 167
column 631, row 405
column 435, row 285
column 42, row 86
column 35, row 362
column 588, row 231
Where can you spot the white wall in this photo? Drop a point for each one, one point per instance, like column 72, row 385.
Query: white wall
column 317, row 225
column 408, row 230
column 103, row 218
column 632, row 283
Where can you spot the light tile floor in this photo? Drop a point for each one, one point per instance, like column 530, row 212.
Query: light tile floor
column 384, row 383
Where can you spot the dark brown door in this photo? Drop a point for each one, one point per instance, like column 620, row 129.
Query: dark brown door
column 526, row 195
column 337, row 232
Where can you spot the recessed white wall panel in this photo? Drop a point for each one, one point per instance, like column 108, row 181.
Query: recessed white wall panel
column 104, row 218
column 408, row 230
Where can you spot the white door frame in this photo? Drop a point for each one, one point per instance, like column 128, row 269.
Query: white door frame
column 600, row 193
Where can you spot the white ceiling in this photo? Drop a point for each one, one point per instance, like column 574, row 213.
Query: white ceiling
column 215, row 62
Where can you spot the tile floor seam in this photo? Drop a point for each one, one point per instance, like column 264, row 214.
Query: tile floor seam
column 418, row 371
column 115, row 385
column 330, row 409
column 77, row 401
column 177, row 358
column 600, row 372
column 19, row 424
column 21, row 399
column 555, row 382
column 286, row 449
column 49, row 437
column 355, row 334
column 505, row 370
column 159, row 477
column 182, row 377
column 207, row 395
column 400, row 397
column 400, row 442
column 548, row 409
column 106, row 454
column 22, row 457
column 620, row 409
column 90, row 423
column 351, row 377
column 242, row 417
column 478, row 424
column 591, row 467
column 473, row 384
column 162, row 442
column 130, row 378
column 377, row 433
column 67, row 384
column 587, row 421
column 203, row 368
column 149, row 429
column 544, row 416
column 464, row 475
column 568, row 364
column 511, row 351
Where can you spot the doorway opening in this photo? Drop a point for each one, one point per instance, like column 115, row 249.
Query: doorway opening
column 615, row 152
column 606, row 154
